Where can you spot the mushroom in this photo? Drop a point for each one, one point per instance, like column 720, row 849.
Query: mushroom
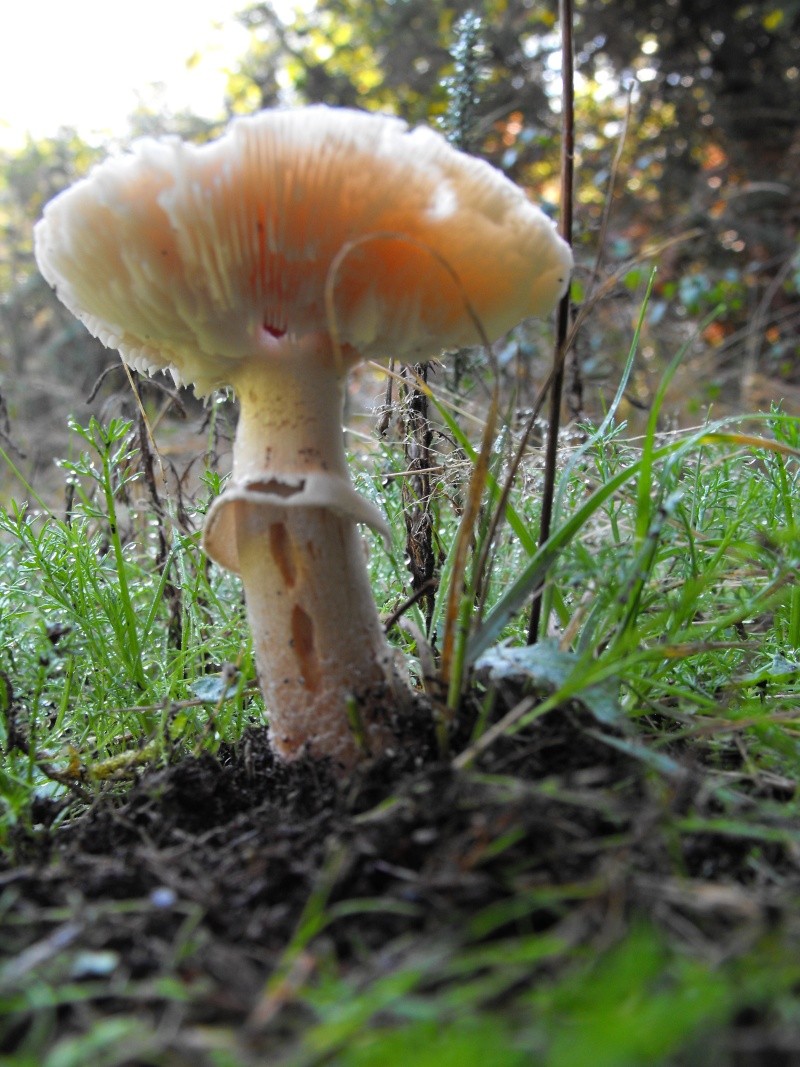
column 271, row 261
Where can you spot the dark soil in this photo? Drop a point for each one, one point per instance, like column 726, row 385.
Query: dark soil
column 203, row 873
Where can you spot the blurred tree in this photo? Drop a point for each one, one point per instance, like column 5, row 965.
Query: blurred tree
column 394, row 56
column 33, row 324
column 48, row 361
column 729, row 69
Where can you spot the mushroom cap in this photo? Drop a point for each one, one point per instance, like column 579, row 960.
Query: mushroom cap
column 190, row 258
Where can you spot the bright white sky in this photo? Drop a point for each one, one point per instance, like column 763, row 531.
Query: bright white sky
column 86, row 63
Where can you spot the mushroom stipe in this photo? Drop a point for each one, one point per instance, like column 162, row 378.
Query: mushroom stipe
column 272, row 261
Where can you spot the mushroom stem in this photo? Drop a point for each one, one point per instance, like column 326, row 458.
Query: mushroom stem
column 287, row 523
column 290, row 400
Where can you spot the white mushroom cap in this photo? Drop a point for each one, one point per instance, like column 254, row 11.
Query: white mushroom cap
column 190, row 258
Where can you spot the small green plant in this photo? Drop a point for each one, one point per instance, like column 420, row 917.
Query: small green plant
column 105, row 646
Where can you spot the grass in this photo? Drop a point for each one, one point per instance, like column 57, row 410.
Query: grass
column 674, row 610
column 112, row 655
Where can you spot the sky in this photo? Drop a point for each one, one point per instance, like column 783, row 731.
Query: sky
column 87, row 63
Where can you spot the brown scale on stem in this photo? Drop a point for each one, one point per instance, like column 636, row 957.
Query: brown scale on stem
column 281, row 548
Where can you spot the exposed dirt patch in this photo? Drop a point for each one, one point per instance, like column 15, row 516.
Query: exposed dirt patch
column 201, row 873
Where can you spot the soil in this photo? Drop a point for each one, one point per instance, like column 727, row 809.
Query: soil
column 204, row 872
